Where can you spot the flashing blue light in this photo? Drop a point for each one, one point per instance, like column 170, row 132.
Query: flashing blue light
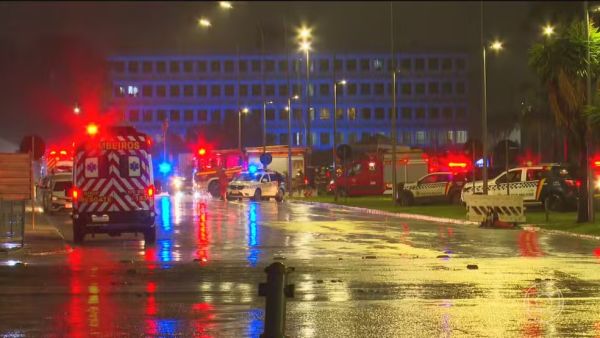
column 479, row 163
column 252, row 169
column 164, row 168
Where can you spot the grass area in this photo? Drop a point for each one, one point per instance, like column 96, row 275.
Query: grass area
column 564, row 221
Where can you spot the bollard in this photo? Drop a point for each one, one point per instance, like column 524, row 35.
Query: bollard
column 275, row 292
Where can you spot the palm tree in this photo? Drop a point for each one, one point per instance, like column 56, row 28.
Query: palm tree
column 560, row 64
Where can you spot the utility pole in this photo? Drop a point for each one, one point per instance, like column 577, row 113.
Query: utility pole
column 393, row 135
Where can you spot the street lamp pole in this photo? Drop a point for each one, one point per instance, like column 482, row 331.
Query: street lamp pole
column 335, row 84
column 240, row 111
column 588, row 136
column 484, row 126
column 264, row 127
column 289, row 139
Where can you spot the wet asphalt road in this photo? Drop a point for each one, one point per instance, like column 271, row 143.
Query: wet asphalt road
column 356, row 275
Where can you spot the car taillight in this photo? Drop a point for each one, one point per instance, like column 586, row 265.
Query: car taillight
column 75, row 193
column 150, row 191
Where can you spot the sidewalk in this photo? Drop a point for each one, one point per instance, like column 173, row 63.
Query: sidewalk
column 39, row 239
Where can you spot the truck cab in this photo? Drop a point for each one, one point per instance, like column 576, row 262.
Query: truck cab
column 362, row 178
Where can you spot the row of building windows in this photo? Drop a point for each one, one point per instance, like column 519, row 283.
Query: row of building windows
column 419, row 64
column 349, row 114
column 408, row 137
column 257, row 90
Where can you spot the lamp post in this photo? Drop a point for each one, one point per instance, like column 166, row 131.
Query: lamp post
column 289, row 109
column 335, row 84
column 244, row 110
column 588, row 134
column 495, row 46
column 265, row 103
column 305, row 36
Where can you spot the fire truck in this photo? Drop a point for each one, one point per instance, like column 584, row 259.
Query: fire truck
column 113, row 190
column 57, row 161
column 207, row 162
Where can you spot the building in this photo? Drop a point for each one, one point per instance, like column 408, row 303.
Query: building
column 204, row 93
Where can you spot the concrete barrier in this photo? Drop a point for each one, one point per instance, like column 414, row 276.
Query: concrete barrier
column 508, row 208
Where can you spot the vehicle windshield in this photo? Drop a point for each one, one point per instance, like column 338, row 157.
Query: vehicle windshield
column 247, row 177
column 62, row 186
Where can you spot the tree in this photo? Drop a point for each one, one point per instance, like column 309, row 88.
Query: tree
column 560, row 64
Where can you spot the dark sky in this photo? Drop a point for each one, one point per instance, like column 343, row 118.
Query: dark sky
column 27, row 32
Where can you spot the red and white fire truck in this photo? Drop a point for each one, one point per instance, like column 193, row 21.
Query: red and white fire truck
column 113, row 189
column 207, row 162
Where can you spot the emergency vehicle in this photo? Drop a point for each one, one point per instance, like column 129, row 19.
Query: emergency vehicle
column 113, row 186
column 434, row 187
column 550, row 185
column 206, row 176
column 57, row 161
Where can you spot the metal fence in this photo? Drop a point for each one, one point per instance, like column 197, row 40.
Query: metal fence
column 12, row 224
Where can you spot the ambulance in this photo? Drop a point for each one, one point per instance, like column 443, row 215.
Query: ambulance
column 113, row 186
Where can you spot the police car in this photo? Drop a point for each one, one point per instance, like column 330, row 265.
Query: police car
column 550, row 185
column 434, row 187
column 257, row 185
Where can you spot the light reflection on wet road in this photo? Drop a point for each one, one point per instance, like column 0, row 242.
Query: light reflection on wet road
column 356, row 275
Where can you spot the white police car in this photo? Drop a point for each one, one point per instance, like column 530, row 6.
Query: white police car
column 434, row 187
column 256, row 185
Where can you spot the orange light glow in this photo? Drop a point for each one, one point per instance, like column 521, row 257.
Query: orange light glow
column 150, row 191
column 63, row 152
column 201, row 151
column 597, row 163
column 457, row 165
column 91, row 129
column 75, row 194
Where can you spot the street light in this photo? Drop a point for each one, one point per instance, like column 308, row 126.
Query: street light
column 548, row 30
column 244, row 110
column 289, row 110
column 335, row 84
column 265, row 103
column 204, row 23
column 225, row 4
column 76, row 109
column 304, row 37
column 495, row 46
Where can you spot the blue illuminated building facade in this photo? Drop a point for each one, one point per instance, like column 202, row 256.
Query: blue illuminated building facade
column 202, row 94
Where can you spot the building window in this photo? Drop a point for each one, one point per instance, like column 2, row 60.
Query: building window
column 324, row 139
column 351, row 65
column 201, row 90
column 379, row 113
column 174, row 66
column 378, row 64
column 339, row 138
column 324, row 114
column 450, row 136
column 419, row 64
column 270, row 90
column 406, row 113
column 364, row 65
column 460, row 88
column 446, row 64
column 134, row 115
column 243, row 66
column 269, row 66
column 147, row 116
column 460, row 64
column 295, row 89
column 174, row 91
column 202, row 115
column 434, row 88
column 161, row 67
column 405, row 65
column 447, row 112
column 461, row 113
column 201, row 66
column 352, row 89
column 283, row 66
column 188, row 66
column 215, row 66
column 365, row 89
column 324, row 89
column 420, row 137
column 379, row 89
column 188, row 90
column 365, row 113
column 324, row 65
column 311, row 89
column 270, row 114
column 447, row 88
column 229, row 90
column 119, row 91
column 215, row 116
column 256, row 90
column 161, row 115
column 256, row 66
column 337, row 65
column 420, row 113
column 297, row 64
column 283, row 90
column 228, row 66
column 406, row 89
column 351, row 113
column 188, row 115
column 297, row 114
column 433, row 64
column 132, row 91
column 352, row 138
column 132, row 66
column 243, row 90
column 147, row 91
column 270, row 139
column 215, row 90
column 175, row 115
column 461, row 136
column 147, row 67
column 339, row 114
column 434, row 113
column 407, row 137
column 420, row 88
column 283, row 115
column 283, row 138
column 119, row 67
column 161, row 91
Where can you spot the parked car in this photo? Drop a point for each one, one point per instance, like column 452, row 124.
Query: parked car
column 257, row 186
column 57, row 196
column 434, row 187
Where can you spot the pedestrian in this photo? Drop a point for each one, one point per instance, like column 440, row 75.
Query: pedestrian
column 223, row 182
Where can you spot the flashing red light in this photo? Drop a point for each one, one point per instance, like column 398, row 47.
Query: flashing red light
column 148, row 141
column 150, row 191
column 53, row 152
column 91, row 129
column 578, row 183
column 63, row 152
column 75, row 193
column 457, row 165
column 597, row 163
column 201, row 151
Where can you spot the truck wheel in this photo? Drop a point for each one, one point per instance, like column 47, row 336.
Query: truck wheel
column 150, row 235
column 406, row 199
column 554, row 202
column 214, row 189
column 279, row 196
column 257, row 195
column 78, row 232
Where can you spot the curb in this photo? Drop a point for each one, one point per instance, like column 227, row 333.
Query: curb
column 534, row 227
column 418, row 217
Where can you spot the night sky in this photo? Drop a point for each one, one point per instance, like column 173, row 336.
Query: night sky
column 49, row 51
